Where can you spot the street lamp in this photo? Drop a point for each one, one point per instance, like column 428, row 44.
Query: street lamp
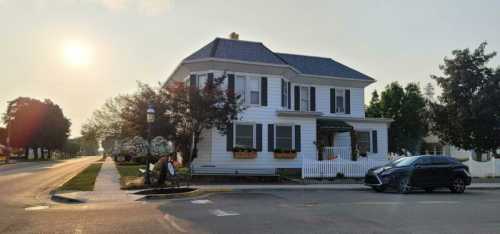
column 150, row 119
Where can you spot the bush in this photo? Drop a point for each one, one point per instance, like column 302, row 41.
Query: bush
column 244, row 149
column 285, row 150
column 340, row 175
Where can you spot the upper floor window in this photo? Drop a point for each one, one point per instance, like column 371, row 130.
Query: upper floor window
column 284, row 93
column 240, row 87
column 304, row 98
column 248, row 88
column 254, row 87
column 340, row 100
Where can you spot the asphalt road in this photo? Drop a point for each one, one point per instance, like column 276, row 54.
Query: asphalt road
column 25, row 206
column 333, row 211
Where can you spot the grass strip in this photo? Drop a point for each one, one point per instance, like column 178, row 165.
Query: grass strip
column 85, row 180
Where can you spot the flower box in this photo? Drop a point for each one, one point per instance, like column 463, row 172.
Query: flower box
column 244, row 155
column 286, row 155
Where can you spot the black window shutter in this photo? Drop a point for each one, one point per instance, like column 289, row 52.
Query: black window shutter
column 347, row 101
column 210, row 78
column 192, row 80
column 289, row 95
column 263, row 92
column 313, row 98
column 258, row 131
column 296, row 98
column 297, row 138
column 229, row 138
column 332, row 100
column 270, row 137
column 230, row 82
column 374, row 141
column 282, row 92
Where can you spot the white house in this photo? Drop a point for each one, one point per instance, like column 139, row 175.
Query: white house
column 293, row 102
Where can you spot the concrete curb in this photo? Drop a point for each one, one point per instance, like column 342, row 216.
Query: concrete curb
column 60, row 198
column 195, row 193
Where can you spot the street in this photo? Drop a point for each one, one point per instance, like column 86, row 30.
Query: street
column 328, row 211
column 26, row 208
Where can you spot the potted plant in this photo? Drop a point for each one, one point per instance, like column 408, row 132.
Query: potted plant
column 285, row 153
column 244, row 153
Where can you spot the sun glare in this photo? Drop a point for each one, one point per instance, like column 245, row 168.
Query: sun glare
column 76, row 53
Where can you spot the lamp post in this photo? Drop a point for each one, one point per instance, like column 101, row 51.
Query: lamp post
column 150, row 119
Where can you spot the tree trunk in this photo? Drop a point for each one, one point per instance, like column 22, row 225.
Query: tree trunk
column 50, row 154
column 26, row 152
column 35, row 153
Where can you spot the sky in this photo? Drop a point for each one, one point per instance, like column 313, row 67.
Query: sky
column 79, row 53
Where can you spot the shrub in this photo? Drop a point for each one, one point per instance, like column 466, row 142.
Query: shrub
column 285, row 151
column 244, row 149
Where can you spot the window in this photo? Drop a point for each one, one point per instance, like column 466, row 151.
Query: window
column 240, row 87
column 304, row 98
column 254, row 87
column 244, row 135
column 284, row 137
column 284, row 94
column 364, row 144
column 201, row 81
column 339, row 101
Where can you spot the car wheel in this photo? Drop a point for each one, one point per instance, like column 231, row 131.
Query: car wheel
column 429, row 190
column 404, row 186
column 378, row 189
column 457, row 185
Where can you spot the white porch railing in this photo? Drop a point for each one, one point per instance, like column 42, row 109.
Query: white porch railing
column 343, row 152
column 331, row 168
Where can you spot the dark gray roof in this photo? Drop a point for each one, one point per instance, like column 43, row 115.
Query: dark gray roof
column 258, row 52
column 322, row 66
column 237, row 50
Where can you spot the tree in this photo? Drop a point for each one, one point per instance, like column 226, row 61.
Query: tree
column 374, row 109
column 195, row 110
column 468, row 112
column 429, row 92
column 55, row 128
column 89, row 142
column 406, row 106
column 3, row 136
column 72, row 147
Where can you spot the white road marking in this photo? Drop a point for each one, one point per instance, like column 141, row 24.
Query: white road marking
column 36, row 208
column 438, row 202
column 171, row 221
column 201, row 201
column 221, row 213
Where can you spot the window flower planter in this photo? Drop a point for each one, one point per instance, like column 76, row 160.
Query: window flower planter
column 285, row 155
column 244, row 155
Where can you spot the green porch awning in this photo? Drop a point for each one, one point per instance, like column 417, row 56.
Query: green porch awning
column 333, row 125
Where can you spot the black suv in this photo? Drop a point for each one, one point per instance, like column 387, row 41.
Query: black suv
column 426, row 172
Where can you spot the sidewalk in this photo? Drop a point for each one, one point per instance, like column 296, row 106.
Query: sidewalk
column 106, row 188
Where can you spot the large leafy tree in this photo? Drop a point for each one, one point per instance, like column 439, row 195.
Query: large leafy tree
column 468, row 112
column 34, row 124
column 406, row 106
column 195, row 110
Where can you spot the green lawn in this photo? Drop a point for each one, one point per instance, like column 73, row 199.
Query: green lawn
column 85, row 180
column 130, row 170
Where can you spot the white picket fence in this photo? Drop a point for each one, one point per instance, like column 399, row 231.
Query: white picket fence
column 331, row 168
column 489, row 168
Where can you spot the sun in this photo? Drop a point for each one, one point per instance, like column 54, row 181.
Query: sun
column 77, row 53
